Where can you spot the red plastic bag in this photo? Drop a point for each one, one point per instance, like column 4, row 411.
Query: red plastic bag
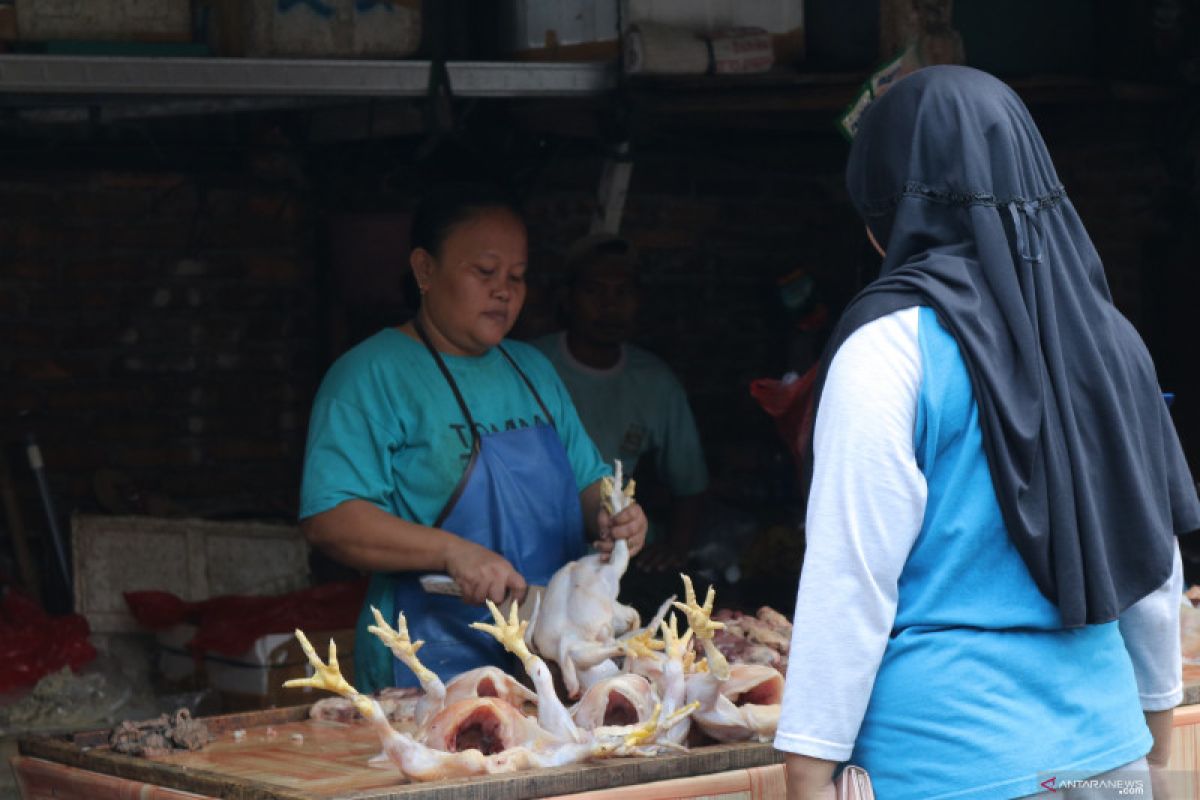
column 230, row 625
column 33, row 644
column 790, row 404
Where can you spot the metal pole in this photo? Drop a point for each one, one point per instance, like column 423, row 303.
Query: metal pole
column 34, row 454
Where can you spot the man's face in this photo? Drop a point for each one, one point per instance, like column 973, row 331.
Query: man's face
column 603, row 303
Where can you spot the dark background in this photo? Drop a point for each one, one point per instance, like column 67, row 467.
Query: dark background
column 172, row 287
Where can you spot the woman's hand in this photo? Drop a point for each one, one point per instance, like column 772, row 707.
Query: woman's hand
column 482, row 574
column 629, row 525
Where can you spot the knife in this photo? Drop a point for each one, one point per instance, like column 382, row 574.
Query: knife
column 437, row 583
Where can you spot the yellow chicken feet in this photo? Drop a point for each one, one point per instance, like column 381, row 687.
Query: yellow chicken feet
column 700, row 621
column 676, row 645
column 615, row 497
column 647, row 737
column 329, row 676
column 510, row 632
column 699, row 617
column 644, row 733
column 397, row 640
column 642, row 645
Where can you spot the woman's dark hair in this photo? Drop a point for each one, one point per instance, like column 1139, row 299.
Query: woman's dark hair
column 450, row 204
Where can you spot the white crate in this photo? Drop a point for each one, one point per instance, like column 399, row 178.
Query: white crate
column 316, row 28
column 142, row 20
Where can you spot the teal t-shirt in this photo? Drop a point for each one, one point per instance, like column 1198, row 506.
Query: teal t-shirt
column 634, row 408
column 386, row 428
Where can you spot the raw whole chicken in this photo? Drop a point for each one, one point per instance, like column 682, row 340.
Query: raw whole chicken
column 736, row 703
column 625, row 699
column 553, row 715
column 743, row 707
column 489, row 682
column 476, row 736
column 479, row 682
column 579, row 619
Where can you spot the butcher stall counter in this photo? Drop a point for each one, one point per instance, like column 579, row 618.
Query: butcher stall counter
column 281, row 754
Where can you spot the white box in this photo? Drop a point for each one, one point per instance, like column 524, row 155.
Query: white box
column 256, row 677
column 143, row 20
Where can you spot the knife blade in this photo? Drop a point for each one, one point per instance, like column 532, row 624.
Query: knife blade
column 437, row 583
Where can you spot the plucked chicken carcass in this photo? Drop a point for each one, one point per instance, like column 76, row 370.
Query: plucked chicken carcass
column 478, row 736
column 475, row 683
column 554, row 716
column 579, row 619
column 736, row 703
column 624, row 699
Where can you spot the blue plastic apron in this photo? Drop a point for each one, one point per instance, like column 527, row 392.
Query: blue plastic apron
column 517, row 497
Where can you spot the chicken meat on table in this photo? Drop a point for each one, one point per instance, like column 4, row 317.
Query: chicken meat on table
column 484, row 721
column 578, row 621
column 478, row 736
column 739, row 702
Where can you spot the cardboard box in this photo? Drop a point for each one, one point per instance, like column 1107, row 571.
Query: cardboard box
column 313, row 29
column 127, row 20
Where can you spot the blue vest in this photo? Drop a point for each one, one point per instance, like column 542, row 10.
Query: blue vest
column 981, row 693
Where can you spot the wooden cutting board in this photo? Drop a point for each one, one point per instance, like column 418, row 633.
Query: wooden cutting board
column 283, row 755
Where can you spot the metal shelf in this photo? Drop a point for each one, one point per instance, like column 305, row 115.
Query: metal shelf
column 258, row 77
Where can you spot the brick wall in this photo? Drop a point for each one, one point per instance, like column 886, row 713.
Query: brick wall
column 167, row 325
column 159, row 338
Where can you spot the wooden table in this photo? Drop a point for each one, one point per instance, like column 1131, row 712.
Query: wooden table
column 283, row 755
column 330, row 764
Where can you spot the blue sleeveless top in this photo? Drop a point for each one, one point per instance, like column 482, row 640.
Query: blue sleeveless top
column 981, row 692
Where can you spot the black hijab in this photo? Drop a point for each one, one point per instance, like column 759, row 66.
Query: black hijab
column 953, row 179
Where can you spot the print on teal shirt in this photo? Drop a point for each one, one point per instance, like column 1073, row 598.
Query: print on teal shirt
column 485, row 428
column 631, row 442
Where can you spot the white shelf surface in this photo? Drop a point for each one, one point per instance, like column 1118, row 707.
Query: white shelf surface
column 260, row 77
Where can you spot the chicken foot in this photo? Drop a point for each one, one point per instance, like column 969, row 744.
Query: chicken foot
column 552, row 714
column 701, row 622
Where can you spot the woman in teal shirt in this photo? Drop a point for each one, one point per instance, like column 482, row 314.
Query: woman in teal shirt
column 438, row 446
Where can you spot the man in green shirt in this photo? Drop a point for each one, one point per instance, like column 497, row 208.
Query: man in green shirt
column 629, row 400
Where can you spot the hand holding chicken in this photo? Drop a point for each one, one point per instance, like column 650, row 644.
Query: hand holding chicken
column 580, row 619
column 620, row 518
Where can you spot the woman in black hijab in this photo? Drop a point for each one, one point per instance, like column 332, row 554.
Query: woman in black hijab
column 996, row 480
